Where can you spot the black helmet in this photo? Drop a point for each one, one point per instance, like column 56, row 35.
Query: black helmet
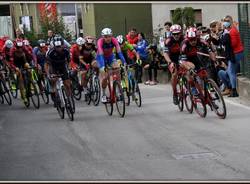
column 58, row 40
column 41, row 43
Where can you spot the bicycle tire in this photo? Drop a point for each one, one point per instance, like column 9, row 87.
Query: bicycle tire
column 219, row 95
column 44, row 94
column 12, row 80
column 119, row 97
column 59, row 108
column 35, row 96
column 187, row 97
column 97, row 91
column 199, row 100
column 68, row 105
column 109, row 104
column 6, row 92
column 180, row 94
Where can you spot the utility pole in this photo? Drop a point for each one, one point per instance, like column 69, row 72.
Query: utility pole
column 76, row 17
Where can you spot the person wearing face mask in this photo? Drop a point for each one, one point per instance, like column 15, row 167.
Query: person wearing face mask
column 229, row 76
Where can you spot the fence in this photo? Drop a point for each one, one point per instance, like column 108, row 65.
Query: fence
column 244, row 28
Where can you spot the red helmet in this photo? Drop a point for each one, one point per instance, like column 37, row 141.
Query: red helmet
column 191, row 33
column 175, row 28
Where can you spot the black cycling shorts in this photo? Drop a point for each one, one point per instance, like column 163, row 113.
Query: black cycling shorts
column 60, row 69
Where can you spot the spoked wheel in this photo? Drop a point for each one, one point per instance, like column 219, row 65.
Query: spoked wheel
column 88, row 95
column 59, row 107
column 137, row 94
column 180, row 94
column 217, row 100
column 187, row 97
column 1, row 99
column 5, row 92
column 119, row 98
column 44, row 93
column 34, row 94
column 126, row 96
column 13, row 86
column 77, row 93
column 199, row 105
column 68, row 105
column 96, row 91
column 109, row 103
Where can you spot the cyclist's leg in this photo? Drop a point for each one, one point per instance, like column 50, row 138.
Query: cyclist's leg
column 103, row 77
column 66, row 80
column 52, row 70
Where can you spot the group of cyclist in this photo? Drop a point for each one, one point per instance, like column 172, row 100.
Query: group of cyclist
column 181, row 49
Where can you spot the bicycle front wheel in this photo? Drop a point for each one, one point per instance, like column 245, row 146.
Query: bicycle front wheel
column 109, row 103
column 137, row 94
column 6, row 92
column 119, row 98
column 34, row 94
column 96, row 91
column 180, row 94
column 217, row 100
column 68, row 105
column 199, row 105
column 188, row 97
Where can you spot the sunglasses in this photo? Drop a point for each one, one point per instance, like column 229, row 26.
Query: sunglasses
column 107, row 36
column 176, row 34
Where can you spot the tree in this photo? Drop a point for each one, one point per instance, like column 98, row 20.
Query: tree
column 55, row 23
column 183, row 16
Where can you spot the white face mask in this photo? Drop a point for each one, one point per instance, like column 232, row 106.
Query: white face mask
column 58, row 43
column 42, row 44
column 19, row 44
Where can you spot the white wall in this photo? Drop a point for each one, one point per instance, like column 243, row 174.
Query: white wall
column 210, row 11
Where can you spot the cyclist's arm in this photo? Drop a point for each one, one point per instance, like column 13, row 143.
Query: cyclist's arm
column 132, row 49
column 166, row 51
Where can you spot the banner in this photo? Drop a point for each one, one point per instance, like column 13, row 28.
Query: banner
column 47, row 10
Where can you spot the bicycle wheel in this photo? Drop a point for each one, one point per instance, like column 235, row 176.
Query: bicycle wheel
column 13, row 83
column 59, row 107
column 199, row 105
column 96, row 91
column 109, row 103
column 44, row 94
column 1, row 99
column 217, row 100
column 34, row 94
column 187, row 97
column 119, row 98
column 77, row 94
column 179, row 88
column 5, row 92
column 68, row 105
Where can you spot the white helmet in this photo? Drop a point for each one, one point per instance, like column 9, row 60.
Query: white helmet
column 106, row 31
column 120, row 39
column 80, row 41
column 9, row 44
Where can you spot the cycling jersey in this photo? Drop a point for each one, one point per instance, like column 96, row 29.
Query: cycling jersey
column 58, row 62
column 6, row 53
column 40, row 55
column 189, row 52
column 19, row 57
column 105, row 52
column 173, row 48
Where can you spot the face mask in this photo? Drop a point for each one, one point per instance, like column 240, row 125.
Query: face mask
column 226, row 24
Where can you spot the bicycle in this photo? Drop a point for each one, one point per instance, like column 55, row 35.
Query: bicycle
column 93, row 87
column 115, row 94
column 130, row 85
column 183, row 92
column 76, row 87
column 4, row 89
column 208, row 94
column 62, row 101
column 31, row 86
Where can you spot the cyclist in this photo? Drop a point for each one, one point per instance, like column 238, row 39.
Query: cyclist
column 39, row 53
column 105, row 56
column 6, row 51
column 189, row 59
column 172, row 53
column 57, row 59
column 19, row 59
column 83, row 55
column 125, row 47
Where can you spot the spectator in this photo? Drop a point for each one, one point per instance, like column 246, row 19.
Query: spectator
column 132, row 38
column 141, row 48
column 235, row 42
column 167, row 26
column 19, row 34
column 228, row 76
column 154, row 60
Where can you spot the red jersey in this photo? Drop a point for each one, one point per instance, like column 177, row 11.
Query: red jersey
column 130, row 40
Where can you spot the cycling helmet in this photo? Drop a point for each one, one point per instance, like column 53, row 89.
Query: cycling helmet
column 41, row 43
column 192, row 33
column 19, row 42
column 80, row 41
column 106, row 31
column 120, row 39
column 26, row 42
column 175, row 28
column 9, row 44
column 89, row 40
column 58, row 41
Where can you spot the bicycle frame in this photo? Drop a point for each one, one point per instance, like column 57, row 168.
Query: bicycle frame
column 59, row 85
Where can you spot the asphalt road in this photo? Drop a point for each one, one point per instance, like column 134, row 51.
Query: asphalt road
column 154, row 142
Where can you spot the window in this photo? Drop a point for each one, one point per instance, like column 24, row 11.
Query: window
column 4, row 10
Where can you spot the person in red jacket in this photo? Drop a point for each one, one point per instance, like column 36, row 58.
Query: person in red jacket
column 236, row 42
